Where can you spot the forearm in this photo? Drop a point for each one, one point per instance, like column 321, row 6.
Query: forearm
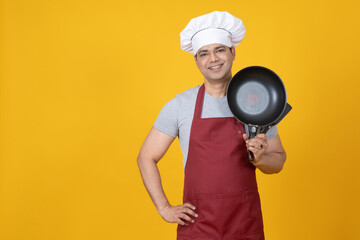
column 152, row 181
column 272, row 162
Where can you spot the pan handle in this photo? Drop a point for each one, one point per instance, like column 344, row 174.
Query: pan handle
column 251, row 156
column 252, row 133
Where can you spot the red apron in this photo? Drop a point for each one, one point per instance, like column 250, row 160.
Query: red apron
column 220, row 181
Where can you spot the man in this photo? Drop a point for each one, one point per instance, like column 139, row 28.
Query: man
column 221, row 200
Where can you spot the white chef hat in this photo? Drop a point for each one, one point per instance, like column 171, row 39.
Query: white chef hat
column 214, row 27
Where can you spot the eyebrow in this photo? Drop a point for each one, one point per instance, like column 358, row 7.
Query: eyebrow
column 215, row 49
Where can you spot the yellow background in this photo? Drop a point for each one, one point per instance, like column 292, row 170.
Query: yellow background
column 83, row 81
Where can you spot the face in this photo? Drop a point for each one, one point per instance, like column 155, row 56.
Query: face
column 215, row 61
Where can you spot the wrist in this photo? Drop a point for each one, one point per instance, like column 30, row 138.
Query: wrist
column 161, row 207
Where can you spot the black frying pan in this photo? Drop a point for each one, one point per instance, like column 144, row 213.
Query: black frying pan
column 257, row 97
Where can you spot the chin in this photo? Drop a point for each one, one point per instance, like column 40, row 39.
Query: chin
column 219, row 78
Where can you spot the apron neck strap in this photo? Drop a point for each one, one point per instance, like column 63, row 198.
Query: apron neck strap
column 199, row 102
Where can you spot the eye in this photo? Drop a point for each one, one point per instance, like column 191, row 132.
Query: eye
column 221, row 50
column 203, row 54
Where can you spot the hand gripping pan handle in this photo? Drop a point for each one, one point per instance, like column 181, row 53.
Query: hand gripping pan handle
column 254, row 130
column 257, row 97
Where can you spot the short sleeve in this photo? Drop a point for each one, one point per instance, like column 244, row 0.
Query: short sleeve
column 272, row 132
column 167, row 120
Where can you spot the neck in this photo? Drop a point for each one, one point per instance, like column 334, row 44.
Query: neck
column 217, row 89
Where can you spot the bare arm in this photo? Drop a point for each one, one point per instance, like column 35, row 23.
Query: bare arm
column 153, row 149
column 269, row 154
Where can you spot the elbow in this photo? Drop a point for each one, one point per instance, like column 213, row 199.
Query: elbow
column 283, row 158
column 281, row 162
column 139, row 160
column 144, row 160
column 272, row 171
column 277, row 170
column 277, row 166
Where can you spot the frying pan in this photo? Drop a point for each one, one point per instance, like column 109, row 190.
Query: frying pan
column 257, row 97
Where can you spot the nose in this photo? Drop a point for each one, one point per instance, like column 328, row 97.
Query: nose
column 213, row 57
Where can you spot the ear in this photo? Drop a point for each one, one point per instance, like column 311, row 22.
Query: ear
column 233, row 51
column 195, row 58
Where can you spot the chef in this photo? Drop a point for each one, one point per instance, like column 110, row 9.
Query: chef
column 221, row 199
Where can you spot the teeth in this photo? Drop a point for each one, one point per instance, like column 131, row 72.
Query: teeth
column 215, row 67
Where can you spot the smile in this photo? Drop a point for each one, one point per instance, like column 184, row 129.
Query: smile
column 215, row 67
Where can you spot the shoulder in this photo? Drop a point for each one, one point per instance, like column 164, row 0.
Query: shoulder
column 183, row 100
column 186, row 102
column 177, row 111
column 188, row 95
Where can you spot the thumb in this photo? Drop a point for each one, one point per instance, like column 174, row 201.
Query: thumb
column 245, row 137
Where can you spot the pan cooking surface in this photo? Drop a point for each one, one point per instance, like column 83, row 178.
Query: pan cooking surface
column 253, row 98
column 256, row 95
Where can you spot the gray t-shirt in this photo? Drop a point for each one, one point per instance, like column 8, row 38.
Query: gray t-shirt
column 176, row 116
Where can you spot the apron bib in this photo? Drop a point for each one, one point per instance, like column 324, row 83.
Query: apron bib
column 220, row 181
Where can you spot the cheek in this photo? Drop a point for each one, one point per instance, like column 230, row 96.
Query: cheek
column 201, row 65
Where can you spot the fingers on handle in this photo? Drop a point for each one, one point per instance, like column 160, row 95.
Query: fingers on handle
column 253, row 149
column 256, row 143
column 262, row 136
column 245, row 137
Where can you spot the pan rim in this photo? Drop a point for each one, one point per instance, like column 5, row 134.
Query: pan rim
column 273, row 121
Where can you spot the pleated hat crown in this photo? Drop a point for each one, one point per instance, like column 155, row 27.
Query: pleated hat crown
column 214, row 27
